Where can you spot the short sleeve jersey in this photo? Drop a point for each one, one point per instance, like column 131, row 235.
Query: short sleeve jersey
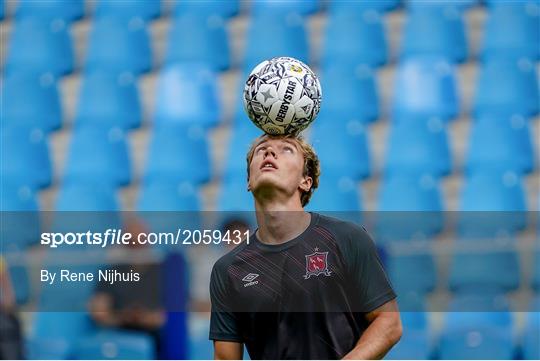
column 303, row 299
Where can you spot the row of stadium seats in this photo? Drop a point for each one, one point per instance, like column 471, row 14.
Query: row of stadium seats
column 122, row 44
column 482, row 191
column 150, row 10
column 467, row 335
column 418, row 143
column 427, row 88
column 490, row 265
column 181, row 154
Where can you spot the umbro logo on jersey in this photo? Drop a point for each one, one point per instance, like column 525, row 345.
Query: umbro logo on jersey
column 250, row 279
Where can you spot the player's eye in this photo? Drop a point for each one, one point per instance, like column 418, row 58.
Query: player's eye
column 288, row 149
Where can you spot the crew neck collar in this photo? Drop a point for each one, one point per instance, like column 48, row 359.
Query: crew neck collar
column 287, row 244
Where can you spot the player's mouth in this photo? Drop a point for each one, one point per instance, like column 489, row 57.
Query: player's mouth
column 268, row 165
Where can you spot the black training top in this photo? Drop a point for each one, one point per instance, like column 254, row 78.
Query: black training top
column 303, row 299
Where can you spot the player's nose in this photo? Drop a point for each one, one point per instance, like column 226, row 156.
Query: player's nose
column 269, row 151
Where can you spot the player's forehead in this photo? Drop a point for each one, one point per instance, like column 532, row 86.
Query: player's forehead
column 272, row 140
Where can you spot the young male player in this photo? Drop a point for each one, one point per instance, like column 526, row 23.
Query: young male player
column 305, row 286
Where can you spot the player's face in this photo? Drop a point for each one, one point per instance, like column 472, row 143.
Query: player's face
column 278, row 163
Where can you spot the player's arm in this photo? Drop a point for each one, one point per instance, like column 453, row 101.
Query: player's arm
column 383, row 332
column 374, row 297
column 224, row 324
column 226, row 350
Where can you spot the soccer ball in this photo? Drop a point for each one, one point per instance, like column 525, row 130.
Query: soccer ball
column 282, row 96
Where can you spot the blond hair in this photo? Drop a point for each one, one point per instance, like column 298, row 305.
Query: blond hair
column 311, row 161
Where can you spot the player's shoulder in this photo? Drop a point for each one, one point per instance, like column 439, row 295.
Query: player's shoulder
column 229, row 258
column 341, row 227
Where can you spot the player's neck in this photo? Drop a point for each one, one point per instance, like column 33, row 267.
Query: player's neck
column 278, row 225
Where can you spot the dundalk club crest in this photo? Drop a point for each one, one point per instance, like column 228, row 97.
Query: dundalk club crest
column 316, row 264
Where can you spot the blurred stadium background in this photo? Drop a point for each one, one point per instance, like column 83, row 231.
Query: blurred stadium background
column 428, row 106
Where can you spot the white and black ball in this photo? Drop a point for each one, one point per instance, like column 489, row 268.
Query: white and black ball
column 282, row 96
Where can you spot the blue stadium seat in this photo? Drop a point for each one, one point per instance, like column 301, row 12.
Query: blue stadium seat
column 411, row 273
column 479, row 307
column 478, row 343
column 425, row 85
column 144, row 9
column 416, row 321
column 236, row 202
column 484, row 263
column 224, row 9
column 167, row 206
column 201, row 348
column 516, row 3
column 2, row 10
column 188, row 93
column 109, row 99
column 531, row 351
column 302, row 7
column 31, row 99
column 234, row 196
column 17, row 198
column 14, row 255
column 24, row 156
column 199, row 38
column 412, row 307
column 19, row 216
column 520, row 93
column 413, row 321
column 342, row 149
column 423, row 193
column 432, row 30
column 21, row 283
column 500, row 142
column 413, row 345
column 460, row 5
column 81, row 206
column 414, row 214
column 120, row 45
column 243, row 135
column 350, row 93
column 68, row 10
column 177, row 153
column 531, row 334
column 337, row 196
column 354, row 37
column 86, row 196
column 275, row 33
column 56, row 333
column 116, row 345
column 40, row 45
column 351, row 6
column 48, row 349
column 160, row 196
column 511, row 30
column 492, row 204
column 99, row 153
column 418, row 145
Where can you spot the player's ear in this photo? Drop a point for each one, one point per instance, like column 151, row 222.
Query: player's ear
column 306, row 183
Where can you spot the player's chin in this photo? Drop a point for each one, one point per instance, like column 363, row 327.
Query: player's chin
column 267, row 180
